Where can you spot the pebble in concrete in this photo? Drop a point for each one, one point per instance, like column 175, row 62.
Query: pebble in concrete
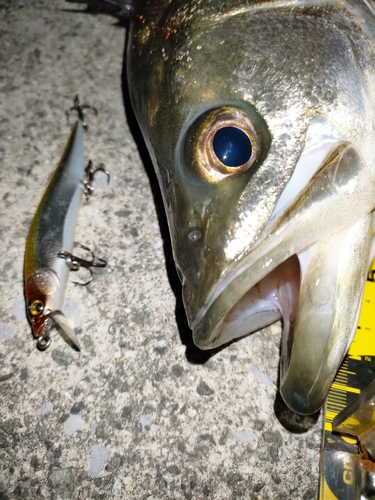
column 99, row 456
column 18, row 308
column 146, row 419
column 246, row 437
column 61, row 481
column 63, row 355
column 203, row 389
column 44, row 409
column 261, row 377
column 73, row 424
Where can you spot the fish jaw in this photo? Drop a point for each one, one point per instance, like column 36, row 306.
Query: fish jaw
column 344, row 188
column 309, row 274
column 333, row 275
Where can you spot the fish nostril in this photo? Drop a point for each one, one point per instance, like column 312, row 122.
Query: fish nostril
column 195, row 234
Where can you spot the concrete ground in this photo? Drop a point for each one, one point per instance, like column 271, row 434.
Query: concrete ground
column 139, row 413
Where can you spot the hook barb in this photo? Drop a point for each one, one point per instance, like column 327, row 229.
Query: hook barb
column 90, row 173
column 78, row 107
column 75, row 263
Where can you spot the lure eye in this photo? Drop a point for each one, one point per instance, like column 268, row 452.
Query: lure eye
column 232, row 146
column 36, row 308
column 225, row 144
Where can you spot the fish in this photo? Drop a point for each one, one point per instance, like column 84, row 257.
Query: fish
column 48, row 258
column 259, row 116
column 259, row 119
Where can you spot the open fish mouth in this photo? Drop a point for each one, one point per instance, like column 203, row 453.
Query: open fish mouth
column 312, row 279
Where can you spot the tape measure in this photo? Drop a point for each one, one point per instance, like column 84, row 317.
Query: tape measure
column 340, row 466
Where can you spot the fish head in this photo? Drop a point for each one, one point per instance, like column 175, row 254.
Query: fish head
column 258, row 117
column 40, row 290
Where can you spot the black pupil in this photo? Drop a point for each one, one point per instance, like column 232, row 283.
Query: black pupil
column 39, row 307
column 232, row 146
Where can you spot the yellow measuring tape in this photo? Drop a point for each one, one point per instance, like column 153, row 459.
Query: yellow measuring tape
column 337, row 468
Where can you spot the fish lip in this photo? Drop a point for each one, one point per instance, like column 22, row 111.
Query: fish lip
column 238, row 270
column 209, row 338
column 231, row 275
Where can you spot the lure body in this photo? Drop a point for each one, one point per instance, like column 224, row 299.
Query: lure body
column 52, row 231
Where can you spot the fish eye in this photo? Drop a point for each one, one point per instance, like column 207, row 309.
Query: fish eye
column 36, row 307
column 232, row 146
column 225, row 144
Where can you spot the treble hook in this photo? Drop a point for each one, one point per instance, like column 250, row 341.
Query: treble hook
column 76, row 263
column 77, row 106
column 90, row 174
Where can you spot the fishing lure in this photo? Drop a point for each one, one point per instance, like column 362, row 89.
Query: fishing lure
column 48, row 256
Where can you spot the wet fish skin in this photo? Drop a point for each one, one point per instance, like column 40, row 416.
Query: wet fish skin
column 302, row 73
column 52, row 231
column 176, row 77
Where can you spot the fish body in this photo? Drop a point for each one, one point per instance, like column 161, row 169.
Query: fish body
column 259, row 118
column 51, row 232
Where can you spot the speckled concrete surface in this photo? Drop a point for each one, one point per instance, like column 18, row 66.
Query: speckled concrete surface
column 139, row 413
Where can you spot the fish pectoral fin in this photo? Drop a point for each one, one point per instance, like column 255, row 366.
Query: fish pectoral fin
column 66, row 330
column 333, row 275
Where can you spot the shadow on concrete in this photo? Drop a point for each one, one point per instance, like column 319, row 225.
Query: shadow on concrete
column 193, row 354
column 292, row 422
column 118, row 9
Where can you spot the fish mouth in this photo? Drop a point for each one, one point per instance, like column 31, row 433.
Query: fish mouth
column 308, row 269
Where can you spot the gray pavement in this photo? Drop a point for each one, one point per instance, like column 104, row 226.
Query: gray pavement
column 139, row 413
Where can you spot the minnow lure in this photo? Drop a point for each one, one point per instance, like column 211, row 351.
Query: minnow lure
column 48, row 257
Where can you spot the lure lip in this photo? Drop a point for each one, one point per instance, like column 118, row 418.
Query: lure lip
column 41, row 325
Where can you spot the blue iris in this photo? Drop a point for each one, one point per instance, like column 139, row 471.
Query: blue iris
column 232, row 146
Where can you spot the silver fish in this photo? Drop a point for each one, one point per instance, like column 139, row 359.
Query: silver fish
column 51, row 234
column 259, row 116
